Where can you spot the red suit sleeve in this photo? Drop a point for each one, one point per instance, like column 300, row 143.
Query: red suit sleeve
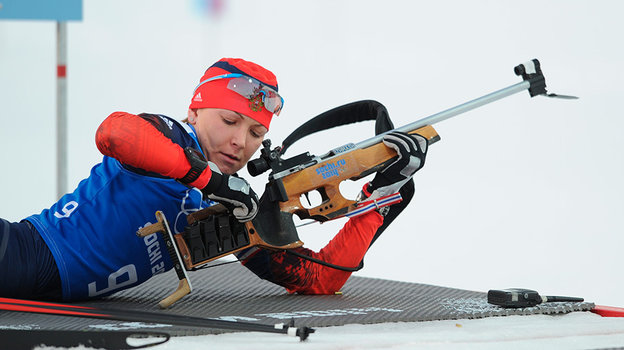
column 134, row 141
column 299, row 275
column 347, row 248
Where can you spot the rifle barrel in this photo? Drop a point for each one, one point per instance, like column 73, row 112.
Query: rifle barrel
column 451, row 112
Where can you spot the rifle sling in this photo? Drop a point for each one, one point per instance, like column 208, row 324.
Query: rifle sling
column 350, row 113
column 325, row 263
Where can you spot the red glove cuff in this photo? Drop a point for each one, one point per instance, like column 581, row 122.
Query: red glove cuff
column 199, row 173
column 203, row 179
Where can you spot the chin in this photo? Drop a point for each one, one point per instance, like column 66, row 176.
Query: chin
column 229, row 169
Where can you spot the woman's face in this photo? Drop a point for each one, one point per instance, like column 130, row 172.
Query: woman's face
column 228, row 138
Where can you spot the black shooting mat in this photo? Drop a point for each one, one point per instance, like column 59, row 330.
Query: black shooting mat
column 231, row 292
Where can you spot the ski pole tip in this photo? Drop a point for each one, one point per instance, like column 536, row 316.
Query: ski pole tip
column 304, row 332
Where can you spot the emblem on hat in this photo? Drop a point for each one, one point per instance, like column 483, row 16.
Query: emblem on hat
column 255, row 103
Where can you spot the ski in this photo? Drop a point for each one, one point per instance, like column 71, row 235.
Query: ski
column 20, row 305
column 15, row 339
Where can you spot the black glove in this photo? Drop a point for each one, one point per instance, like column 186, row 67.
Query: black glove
column 233, row 192
column 412, row 149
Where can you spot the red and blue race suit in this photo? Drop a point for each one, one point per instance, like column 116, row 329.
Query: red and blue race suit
column 91, row 232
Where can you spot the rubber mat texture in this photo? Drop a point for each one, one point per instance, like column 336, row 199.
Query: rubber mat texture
column 231, row 292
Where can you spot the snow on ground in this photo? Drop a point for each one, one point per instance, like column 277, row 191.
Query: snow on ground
column 571, row 331
column 579, row 330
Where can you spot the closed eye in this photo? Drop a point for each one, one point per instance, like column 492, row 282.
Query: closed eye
column 255, row 134
column 228, row 121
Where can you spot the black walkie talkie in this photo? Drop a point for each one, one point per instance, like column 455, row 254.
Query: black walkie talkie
column 518, row 297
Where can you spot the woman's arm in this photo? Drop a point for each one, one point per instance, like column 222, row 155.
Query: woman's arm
column 303, row 276
column 137, row 142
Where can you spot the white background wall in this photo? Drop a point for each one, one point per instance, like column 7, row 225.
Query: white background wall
column 520, row 193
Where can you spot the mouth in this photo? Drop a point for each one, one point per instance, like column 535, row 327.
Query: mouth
column 230, row 157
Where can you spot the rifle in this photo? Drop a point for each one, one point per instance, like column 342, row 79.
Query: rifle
column 212, row 233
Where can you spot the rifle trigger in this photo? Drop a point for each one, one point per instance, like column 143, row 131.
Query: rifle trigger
column 307, row 196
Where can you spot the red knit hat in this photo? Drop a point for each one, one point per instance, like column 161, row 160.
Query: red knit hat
column 215, row 94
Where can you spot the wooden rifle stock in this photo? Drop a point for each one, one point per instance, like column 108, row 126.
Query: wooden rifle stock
column 326, row 177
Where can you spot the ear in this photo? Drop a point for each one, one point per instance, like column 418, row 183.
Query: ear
column 191, row 115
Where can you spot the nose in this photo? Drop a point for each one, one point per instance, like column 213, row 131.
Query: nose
column 239, row 136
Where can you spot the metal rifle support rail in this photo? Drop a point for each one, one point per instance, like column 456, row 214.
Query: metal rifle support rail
column 19, row 305
column 451, row 112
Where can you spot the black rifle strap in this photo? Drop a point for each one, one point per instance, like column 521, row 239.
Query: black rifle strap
column 325, row 263
column 350, row 113
column 407, row 192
